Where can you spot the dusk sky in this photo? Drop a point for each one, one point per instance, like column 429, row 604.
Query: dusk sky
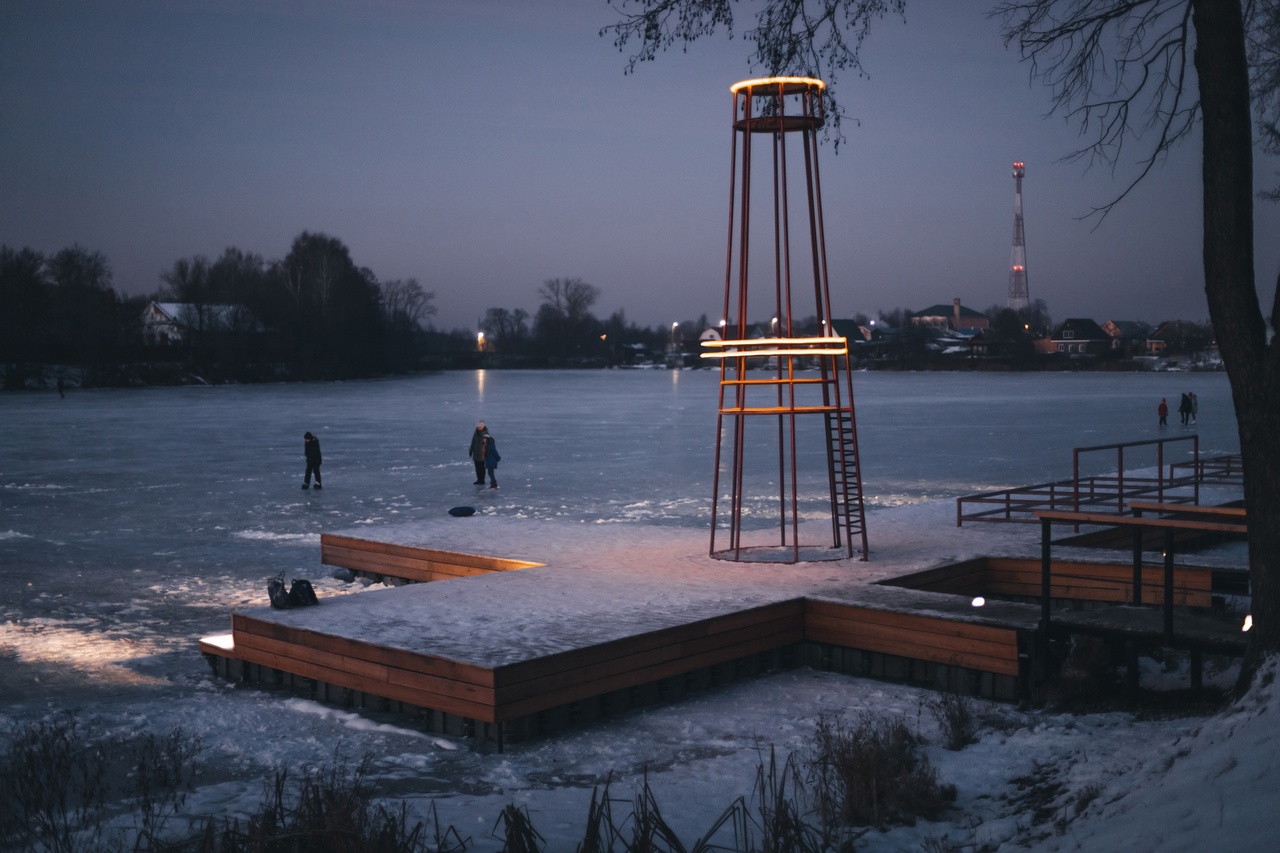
column 485, row 146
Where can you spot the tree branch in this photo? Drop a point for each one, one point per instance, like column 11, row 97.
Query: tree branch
column 1068, row 45
column 812, row 38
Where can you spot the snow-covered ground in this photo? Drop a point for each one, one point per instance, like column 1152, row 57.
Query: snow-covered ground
column 134, row 522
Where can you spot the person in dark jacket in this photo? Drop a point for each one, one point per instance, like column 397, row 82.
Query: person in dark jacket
column 476, row 452
column 311, row 447
column 491, row 459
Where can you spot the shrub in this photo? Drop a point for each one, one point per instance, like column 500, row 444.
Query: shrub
column 954, row 713
column 871, row 774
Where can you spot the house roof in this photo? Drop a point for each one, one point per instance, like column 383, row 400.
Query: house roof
column 1084, row 329
column 941, row 310
column 848, row 329
column 1130, row 328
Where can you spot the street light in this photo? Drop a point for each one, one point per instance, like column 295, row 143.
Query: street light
column 480, row 341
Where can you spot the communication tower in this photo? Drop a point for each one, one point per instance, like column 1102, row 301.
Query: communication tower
column 1018, row 294
column 785, row 435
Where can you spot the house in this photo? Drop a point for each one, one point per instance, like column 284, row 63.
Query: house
column 169, row 323
column 1178, row 337
column 954, row 317
column 851, row 331
column 1081, row 336
column 1128, row 337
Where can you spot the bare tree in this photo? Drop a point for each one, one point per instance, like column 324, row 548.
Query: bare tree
column 815, row 38
column 77, row 268
column 1123, row 67
column 405, row 301
column 506, row 329
column 572, row 298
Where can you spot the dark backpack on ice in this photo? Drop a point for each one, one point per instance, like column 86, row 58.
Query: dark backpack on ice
column 301, row 594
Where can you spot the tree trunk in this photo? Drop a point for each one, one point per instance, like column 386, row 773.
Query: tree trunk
column 1253, row 364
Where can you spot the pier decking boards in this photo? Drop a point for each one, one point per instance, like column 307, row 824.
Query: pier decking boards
column 506, row 649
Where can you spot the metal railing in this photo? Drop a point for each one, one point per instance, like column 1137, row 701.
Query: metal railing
column 1224, row 470
column 1093, row 492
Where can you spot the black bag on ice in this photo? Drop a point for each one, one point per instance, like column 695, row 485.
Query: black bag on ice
column 301, row 594
column 278, row 594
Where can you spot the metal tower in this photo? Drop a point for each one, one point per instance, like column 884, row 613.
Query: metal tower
column 785, row 432
column 1018, row 295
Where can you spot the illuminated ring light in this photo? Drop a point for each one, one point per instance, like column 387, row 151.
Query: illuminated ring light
column 790, row 85
column 770, row 347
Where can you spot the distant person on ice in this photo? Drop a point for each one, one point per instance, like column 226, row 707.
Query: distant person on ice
column 311, row 447
column 477, row 451
column 491, row 459
column 1184, row 409
column 1163, row 411
column 1195, row 405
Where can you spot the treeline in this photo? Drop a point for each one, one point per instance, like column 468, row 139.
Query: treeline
column 313, row 314
column 564, row 332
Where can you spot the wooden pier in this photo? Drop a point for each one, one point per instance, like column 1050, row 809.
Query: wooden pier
column 430, row 648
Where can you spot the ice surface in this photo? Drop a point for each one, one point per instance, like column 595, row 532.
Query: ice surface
column 134, row 522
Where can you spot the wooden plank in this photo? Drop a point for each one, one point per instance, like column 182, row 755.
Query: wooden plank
column 243, row 626
column 369, row 555
column 387, row 690
column 363, row 668
column 375, row 547
column 1000, row 658
column 1188, row 509
column 676, row 654
column 900, row 640
column 690, row 632
column 399, row 566
column 926, row 623
column 1193, row 585
column 1130, row 521
column 981, row 647
column 1004, row 647
column 511, row 710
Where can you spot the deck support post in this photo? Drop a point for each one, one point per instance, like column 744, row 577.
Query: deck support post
column 1137, row 564
column 1045, row 533
column 1168, row 584
column 1132, row 673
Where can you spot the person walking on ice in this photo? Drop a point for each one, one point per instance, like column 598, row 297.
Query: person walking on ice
column 311, row 447
column 491, row 459
column 1163, row 411
column 476, row 451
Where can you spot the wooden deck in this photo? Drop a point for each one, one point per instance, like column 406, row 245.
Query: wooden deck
column 426, row 648
column 382, row 647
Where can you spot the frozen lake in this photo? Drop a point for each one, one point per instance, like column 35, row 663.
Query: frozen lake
column 145, row 516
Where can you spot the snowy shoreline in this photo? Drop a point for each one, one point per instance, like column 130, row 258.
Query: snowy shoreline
column 134, row 522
